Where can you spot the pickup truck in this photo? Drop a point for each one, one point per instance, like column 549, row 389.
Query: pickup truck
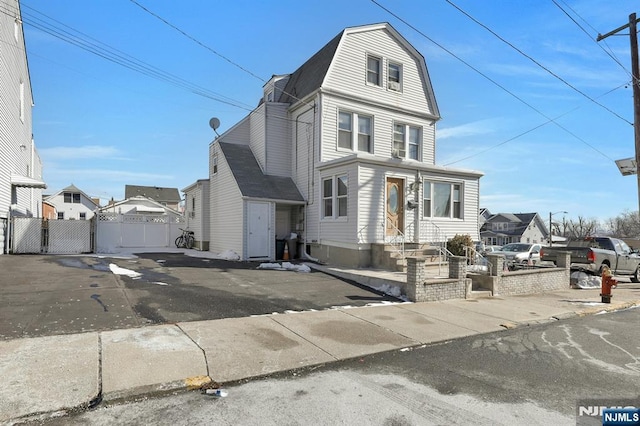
column 590, row 254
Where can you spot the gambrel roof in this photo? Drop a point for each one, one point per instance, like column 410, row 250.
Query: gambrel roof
column 311, row 75
column 251, row 181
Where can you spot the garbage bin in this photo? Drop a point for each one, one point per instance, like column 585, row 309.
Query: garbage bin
column 292, row 244
column 280, row 249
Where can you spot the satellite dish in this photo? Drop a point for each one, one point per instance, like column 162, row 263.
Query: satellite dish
column 214, row 123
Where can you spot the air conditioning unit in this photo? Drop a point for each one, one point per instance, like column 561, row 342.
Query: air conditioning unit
column 395, row 153
column 394, row 85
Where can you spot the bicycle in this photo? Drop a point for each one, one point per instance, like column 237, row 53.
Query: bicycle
column 186, row 240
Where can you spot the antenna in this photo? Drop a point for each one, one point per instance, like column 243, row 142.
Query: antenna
column 214, row 123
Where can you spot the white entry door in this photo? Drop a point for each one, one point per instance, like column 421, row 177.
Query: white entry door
column 258, row 227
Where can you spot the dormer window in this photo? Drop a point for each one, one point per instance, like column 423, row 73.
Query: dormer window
column 270, row 96
column 373, row 70
column 394, row 77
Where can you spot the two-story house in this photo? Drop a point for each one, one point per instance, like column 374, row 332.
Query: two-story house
column 504, row 228
column 341, row 153
column 71, row 203
column 21, row 181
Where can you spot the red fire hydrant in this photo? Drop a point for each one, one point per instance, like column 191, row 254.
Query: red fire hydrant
column 608, row 282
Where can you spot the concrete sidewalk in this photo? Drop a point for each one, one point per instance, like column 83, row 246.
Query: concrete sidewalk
column 44, row 375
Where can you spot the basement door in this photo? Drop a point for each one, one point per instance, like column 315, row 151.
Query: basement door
column 258, row 219
column 395, row 206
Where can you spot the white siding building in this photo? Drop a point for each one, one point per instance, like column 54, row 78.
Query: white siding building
column 341, row 153
column 71, row 203
column 20, row 166
column 197, row 211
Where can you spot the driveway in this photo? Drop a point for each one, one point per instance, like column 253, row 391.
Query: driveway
column 52, row 294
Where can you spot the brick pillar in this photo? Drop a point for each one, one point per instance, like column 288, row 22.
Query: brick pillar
column 563, row 259
column 416, row 275
column 496, row 263
column 457, row 267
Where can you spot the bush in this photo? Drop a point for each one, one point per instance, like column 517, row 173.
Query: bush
column 457, row 244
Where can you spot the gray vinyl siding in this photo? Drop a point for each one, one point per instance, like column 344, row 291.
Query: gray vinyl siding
column 305, row 142
column 198, row 222
column 341, row 229
column 383, row 122
column 258, row 135
column 278, row 142
column 226, row 209
column 14, row 129
column 469, row 222
column 348, row 71
column 240, row 133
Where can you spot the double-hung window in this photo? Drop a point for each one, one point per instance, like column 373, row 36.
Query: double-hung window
column 72, row 197
column 373, row 70
column 406, row 141
column 442, row 200
column 335, row 192
column 394, row 77
column 347, row 139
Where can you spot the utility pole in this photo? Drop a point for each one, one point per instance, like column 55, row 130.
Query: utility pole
column 635, row 82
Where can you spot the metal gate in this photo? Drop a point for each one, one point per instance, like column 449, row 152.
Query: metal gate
column 37, row 235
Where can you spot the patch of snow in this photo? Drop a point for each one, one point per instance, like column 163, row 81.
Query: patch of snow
column 285, row 266
column 122, row 271
column 583, row 280
column 159, row 283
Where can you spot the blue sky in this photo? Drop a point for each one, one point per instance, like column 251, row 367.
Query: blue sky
column 101, row 126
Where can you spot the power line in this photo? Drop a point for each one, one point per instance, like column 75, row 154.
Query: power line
column 508, row 43
column 485, row 76
column 74, row 37
column 190, row 37
column 610, row 54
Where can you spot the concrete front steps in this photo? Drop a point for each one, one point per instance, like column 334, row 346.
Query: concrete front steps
column 389, row 257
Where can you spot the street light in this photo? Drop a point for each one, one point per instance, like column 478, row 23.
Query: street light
column 551, row 227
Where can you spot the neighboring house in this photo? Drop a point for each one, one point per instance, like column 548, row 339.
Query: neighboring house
column 72, row 203
column 169, row 197
column 341, row 153
column 139, row 205
column 20, row 166
column 48, row 210
column 504, row 228
column 196, row 211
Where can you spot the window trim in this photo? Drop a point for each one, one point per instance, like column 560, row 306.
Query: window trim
column 377, row 73
column 335, row 199
column 390, row 81
column 405, row 151
column 451, row 204
column 354, row 132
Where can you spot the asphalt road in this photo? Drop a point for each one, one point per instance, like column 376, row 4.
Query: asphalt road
column 50, row 295
column 533, row 375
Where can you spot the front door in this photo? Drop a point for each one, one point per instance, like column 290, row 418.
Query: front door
column 258, row 230
column 395, row 206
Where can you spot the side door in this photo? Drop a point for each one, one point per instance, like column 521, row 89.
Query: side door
column 258, row 225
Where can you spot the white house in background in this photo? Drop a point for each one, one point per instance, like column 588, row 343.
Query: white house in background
column 20, row 166
column 504, row 228
column 196, row 211
column 139, row 206
column 342, row 153
column 72, row 203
